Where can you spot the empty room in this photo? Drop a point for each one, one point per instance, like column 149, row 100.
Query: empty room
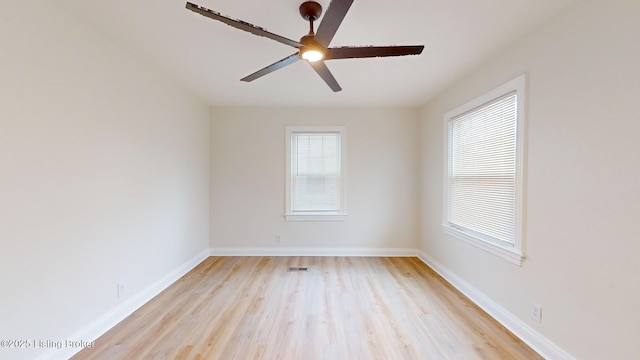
column 344, row 179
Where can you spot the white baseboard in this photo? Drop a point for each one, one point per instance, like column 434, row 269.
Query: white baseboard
column 102, row 324
column 519, row 328
column 294, row 251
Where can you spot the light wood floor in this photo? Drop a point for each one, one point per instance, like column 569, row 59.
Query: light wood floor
column 341, row 308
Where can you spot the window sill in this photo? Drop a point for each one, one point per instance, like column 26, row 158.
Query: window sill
column 510, row 254
column 314, row 216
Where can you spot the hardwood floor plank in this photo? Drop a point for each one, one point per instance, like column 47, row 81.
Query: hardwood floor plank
column 341, row 308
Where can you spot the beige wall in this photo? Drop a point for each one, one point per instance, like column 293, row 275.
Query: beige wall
column 104, row 175
column 582, row 185
column 248, row 179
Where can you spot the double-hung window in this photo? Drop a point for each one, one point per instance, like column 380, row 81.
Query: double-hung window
column 315, row 173
column 483, row 200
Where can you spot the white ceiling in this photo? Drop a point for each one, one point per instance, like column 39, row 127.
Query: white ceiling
column 208, row 57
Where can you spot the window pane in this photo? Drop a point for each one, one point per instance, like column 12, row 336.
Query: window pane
column 316, row 193
column 315, row 173
column 482, row 169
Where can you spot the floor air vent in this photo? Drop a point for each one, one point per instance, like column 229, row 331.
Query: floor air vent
column 293, row 269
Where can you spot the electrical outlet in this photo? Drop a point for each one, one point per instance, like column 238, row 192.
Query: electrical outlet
column 535, row 311
column 278, row 239
column 120, row 290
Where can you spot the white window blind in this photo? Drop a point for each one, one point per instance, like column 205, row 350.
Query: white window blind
column 315, row 172
column 482, row 170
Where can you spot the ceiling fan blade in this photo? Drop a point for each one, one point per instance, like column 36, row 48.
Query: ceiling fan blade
column 326, row 75
column 331, row 21
column 271, row 68
column 350, row 52
column 242, row 25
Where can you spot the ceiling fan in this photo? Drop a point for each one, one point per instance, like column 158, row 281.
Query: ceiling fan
column 313, row 47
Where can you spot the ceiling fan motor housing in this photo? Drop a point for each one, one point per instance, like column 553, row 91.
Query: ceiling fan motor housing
column 309, row 40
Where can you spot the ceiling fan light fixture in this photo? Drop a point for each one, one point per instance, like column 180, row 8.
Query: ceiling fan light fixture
column 311, row 50
column 312, row 54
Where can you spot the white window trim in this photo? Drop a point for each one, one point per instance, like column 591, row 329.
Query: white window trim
column 513, row 253
column 316, row 215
